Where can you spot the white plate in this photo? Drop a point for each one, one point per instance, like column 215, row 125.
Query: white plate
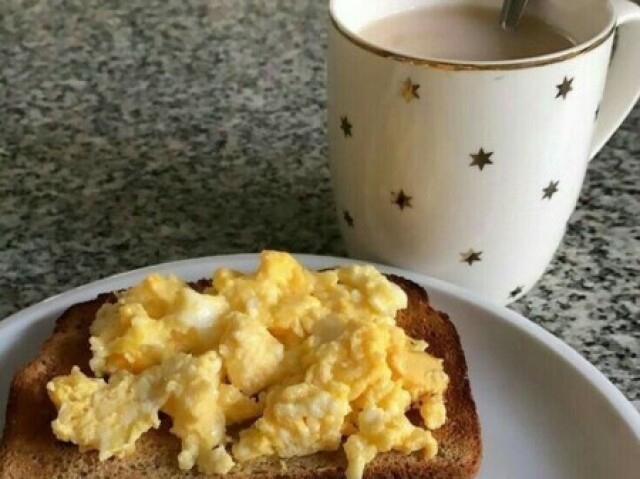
column 545, row 411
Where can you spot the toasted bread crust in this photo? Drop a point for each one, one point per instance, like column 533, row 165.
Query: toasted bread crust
column 29, row 449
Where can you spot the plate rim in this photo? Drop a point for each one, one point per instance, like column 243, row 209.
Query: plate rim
column 622, row 406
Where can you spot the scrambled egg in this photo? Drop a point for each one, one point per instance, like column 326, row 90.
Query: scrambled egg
column 297, row 359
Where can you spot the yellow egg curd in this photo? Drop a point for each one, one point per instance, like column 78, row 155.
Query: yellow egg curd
column 298, row 360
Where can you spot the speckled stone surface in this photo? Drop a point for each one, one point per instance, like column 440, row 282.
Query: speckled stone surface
column 139, row 131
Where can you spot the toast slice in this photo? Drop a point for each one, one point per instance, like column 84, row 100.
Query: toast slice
column 29, row 449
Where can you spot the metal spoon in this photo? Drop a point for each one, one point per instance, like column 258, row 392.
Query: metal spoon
column 511, row 13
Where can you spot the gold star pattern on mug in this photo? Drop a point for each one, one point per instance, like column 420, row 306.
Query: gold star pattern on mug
column 471, row 257
column 401, row 199
column 481, row 159
column 550, row 190
column 346, row 126
column 410, row 90
column 516, row 292
column 564, row 88
column 348, row 218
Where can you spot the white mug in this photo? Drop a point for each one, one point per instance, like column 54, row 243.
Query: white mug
column 473, row 179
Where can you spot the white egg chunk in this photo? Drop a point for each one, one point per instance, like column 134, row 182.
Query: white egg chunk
column 237, row 406
column 111, row 416
column 250, row 353
column 218, row 461
column 380, row 431
column 198, row 420
column 107, row 417
column 383, row 297
column 357, row 358
column 196, row 319
column 141, row 343
column 278, row 274
column 358, row 453
column 419, row 373
column 328, row 328
column 298, row 420
column 152, row 322
column 433, row 411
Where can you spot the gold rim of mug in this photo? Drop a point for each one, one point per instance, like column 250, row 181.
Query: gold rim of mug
column 453, row 66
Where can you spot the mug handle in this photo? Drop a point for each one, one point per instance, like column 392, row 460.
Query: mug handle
column 623, row 80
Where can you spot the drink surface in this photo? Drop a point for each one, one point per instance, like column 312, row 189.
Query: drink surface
column 463, row 33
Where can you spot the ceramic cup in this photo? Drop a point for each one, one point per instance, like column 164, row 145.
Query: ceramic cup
column 469, row 171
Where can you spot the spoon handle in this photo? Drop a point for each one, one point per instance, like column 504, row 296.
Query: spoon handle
column 511, row 13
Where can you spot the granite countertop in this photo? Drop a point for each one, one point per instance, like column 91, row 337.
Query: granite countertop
column 140, row 131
